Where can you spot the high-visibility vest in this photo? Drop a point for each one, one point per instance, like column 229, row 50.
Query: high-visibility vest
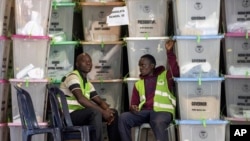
column 164, row 100
column 73, row 104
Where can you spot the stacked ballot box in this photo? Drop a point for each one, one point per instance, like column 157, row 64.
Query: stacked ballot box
column 150, row 20
column 61, row 21
column 61, row 59
column 4, row 132
column 4, row 95
column 4, row 56
column 95, row 26
column 196, row 17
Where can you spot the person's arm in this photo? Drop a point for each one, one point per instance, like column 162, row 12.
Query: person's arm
column 173, row 67
column 135, row 101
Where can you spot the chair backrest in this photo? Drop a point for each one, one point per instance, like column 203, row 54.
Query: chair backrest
column 26, row 109
column 59, row 107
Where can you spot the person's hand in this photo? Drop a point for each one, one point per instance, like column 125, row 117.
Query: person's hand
column 169, row 44
column 134, row 108
column 108, row 116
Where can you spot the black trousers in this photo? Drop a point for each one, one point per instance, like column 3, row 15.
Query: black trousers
column 90, row 116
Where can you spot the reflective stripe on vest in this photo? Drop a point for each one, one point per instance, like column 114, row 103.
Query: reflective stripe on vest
column 73, row 104
column 163, row 98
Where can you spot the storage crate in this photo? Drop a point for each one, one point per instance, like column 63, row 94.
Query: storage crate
column 237, row 16
column 237, row 91
column 196, row 130
column 138, row 46
column 196, row 17
column 237, row 52
column 4, row 56
column 95, row 27
column 38, row 93
column 106, row 59
column 61, row 59
column 111, row 91
column 32, row 17
column 199, row 98
column 198, row 56
column 30, row 56
column 150, row 20
column 16, row 132
column 4, row 95
column 61, row 21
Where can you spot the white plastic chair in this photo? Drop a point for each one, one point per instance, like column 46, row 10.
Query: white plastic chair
column 138, row 132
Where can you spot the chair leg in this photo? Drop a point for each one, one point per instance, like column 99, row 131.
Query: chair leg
column 57, row 135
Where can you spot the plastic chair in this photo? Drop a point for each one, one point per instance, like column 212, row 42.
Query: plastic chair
column 61, row 117
column 138, row 132
column 29, row 122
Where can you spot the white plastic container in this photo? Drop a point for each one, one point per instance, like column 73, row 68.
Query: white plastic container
column 61, row 21
column 95, row 27
column 4, row 94
column 61, row 59
column 4, row 56
column 16, row 132
column 138, row 46
column 4, row 132
column 30, row 53
column 237, row 52
column 237, row 16
column 151, row 18
column 38, row 93
column 237, row 89
column 197, row 130
column 198, row 56
column 106, row 59
column 130, row 84
column 61, row 1
column 32, row 17
column 199, row 99
column 196, row 17
column 111, row 91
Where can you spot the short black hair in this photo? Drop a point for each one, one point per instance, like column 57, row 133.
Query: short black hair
column 150, row 57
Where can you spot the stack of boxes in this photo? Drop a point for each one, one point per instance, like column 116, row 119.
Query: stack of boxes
column 62, row 47
column 4, row 61
column 102, row 43
column 30, row 52
column 199, row 86
column 237, row 62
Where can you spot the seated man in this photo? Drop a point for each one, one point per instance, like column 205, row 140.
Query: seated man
column 152, row 99
column 86, row 107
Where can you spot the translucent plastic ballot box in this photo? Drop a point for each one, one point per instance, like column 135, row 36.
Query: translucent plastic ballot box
column 30, row 56
column 198, row 56
column 4, row 131
column 237, row 51
column 16, row 132
column 61, row 21
column 32, row 17
column 38, row 93
column 4, row 56
column 139, row 46
column 2, row 11
column 237, row 93
column 111, row 91
column 106, row 59
column 94, row 16
column 61, row 59
column 198, row 99
column 237, row 16
column 196, row 17
column 151, row 18
column 197, row 130
column 4, row 95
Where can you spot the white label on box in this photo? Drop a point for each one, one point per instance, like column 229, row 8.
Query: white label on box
column 119, row 16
